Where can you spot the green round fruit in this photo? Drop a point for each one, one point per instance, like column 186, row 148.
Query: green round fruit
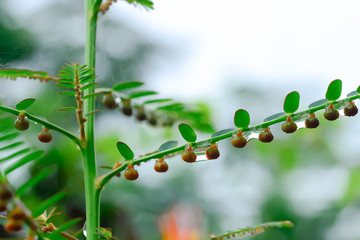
column 265, row 137
column 331, row 114
column 289, row 126
column 22, row 123
column 45, row 136
column 238, row 141
column 212, row 153
column 161, row 166
column 312, row 122
column 131, row 174
column 109, row 101
column 350, row 110
column 189, row 156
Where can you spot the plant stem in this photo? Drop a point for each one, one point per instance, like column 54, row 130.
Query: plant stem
column 47, row 124
column 88, row 149
column 103, row 180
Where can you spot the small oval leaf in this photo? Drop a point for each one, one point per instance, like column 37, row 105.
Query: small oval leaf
column 141, row 94
column 275, row 116
column 66, row 93
column 93, row 112
column 318, row 103
column 353, row 93
column 24, row 104
column 358, row 89
column 125, row 151
column 291, row 102
column 187, row 132
column 334, row 90
column 241, row 118
column 127, row 85
column 157, row 101
column 221, row 132
column 168, row 145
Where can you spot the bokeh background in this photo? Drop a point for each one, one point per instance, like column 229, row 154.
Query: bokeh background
column 219, row 55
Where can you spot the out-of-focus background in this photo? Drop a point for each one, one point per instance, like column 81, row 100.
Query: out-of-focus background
column 223, row 55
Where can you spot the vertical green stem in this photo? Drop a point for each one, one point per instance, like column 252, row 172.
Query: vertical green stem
column 88, row 148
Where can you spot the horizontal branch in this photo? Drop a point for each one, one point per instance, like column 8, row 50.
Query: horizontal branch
column 101, row 181
column 47, row 124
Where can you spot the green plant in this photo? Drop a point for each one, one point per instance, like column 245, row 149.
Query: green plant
column 79, row 80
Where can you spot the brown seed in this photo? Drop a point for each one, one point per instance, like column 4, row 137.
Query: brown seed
column 238, row 141
column 312, row 121
column 141, row 116
column 22, row 123
column 109, row 101
column 331, row 114
column 350, row 110
column 126, row 108
column 13, row 226
column 45, row 136
column 266, row 136
column 17, row 214
column 5, row 193
column 212, row 153
column 131, row 174
column 289, row 126
column 161, row 166
column 189, row 156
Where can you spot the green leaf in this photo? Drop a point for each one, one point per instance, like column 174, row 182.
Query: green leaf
column 66, row 76
column 358, row 89
column 13, row 145
column 275, row 116
column 24, row 160
column 48, row 203
column 353, row 93
column 63, row 228
column 66, row 85
column 88, row 86
column 66, row 109
column 67, row 93
column 241, row 118
column 172, row 107
column 24, row 73
column 24, row 104
column 9, row 136
column 87, row 79
column 141, row 94
column 222, row 132
column 318, row 103
column 125, row 151
column 334, row 90
column 168, row 145
column 127, row 85
column 291, row 102
column 91, row 95
column 187, row 132
column 158, row 101
column 15, row 154
column 93, row 112
column 33, row 181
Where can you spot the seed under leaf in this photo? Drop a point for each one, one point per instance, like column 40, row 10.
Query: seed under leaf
column 266, row 136
column 212, row 152
column 238, row 141
column 141, row 116
column 109, row 101
column 189, row 156
column 126, row 108
column 22, row 123
column 13, row 226
column 350, row 110
column 331, row 113
column 5, row 193
column 45, row 136
column 312, row 121
column 289, row 126
column 131, row 173
column 161, row 166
